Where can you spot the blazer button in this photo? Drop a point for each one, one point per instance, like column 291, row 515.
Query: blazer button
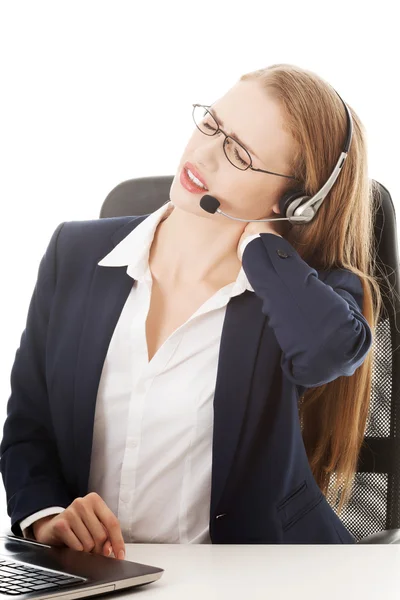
column 282, row 253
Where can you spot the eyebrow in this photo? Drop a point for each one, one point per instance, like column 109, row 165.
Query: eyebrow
column 232, row 133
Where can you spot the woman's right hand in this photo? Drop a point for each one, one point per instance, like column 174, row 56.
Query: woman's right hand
column 87, row 525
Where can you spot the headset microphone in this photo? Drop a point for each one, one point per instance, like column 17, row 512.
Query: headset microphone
column 295, row 205
column 211, row 204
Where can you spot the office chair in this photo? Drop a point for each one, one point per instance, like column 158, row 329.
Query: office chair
column 373, row 513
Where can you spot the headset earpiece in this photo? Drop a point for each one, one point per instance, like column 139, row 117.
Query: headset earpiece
column 287, row 199
column 290, row 202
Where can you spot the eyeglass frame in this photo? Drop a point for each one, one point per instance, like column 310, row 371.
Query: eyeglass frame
column 207, row 106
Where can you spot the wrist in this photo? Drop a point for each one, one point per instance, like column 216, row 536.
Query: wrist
column 37, row 525
column 245, row 240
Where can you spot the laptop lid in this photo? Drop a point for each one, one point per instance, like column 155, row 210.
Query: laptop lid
column 32, row 570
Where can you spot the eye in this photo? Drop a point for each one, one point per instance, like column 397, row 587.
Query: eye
column 239, row 157
column 235, row 149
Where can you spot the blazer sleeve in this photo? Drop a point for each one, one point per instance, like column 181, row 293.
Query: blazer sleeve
column 29, row 461
column 317, row 321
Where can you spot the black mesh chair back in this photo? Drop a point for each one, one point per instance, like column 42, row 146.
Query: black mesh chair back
column 375, row 503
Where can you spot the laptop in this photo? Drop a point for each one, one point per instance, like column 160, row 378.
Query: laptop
column 29, row 569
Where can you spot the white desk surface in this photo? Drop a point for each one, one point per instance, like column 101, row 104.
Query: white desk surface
column 264, row 572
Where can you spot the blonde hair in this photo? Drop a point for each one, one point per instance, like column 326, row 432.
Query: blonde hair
column 333, row 416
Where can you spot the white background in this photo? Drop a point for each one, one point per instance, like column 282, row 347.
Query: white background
column 94, row 93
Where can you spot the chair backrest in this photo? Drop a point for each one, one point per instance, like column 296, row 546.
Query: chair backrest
column 375, row 501
column 136, row 197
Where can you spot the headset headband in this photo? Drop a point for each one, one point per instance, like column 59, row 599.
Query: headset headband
column 307, row 206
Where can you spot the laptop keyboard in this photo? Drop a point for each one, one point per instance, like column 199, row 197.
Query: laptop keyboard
column 17, row 578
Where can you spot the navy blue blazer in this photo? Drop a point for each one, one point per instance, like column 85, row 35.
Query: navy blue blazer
column 299, row 329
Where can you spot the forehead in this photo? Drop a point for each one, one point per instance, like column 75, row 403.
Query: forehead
column 257, row 120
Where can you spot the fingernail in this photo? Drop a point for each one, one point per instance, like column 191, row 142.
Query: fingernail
column 109, row 551
column 121, row 555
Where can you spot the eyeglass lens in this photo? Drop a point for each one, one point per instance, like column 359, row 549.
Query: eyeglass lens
column 235, row 153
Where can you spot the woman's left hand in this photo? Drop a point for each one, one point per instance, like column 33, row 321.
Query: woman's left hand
column 252, row 228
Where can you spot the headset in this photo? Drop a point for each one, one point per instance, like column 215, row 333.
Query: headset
column 295, row 205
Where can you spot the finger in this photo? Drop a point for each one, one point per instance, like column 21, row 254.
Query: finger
column 62, row 531
column 79, row 528
column 107, row 548
column 96, row 529
column 112, row 526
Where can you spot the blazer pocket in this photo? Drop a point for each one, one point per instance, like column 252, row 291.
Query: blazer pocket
column 297, row 504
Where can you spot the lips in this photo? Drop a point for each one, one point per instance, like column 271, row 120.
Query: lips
column 195, row 172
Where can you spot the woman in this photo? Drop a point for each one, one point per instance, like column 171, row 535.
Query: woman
column 189, row 378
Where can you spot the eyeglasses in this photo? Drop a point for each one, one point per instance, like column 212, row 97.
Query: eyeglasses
column 237, row 154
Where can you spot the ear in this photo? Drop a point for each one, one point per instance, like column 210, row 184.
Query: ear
column 275, row 208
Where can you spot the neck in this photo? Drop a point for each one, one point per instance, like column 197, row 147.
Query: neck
column 190, row 249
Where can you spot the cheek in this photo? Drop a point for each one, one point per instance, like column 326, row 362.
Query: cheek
column 247, row 199
column 234, row 185
column 238, row 195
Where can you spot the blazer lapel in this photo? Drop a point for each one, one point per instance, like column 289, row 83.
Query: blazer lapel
column 243, row 326
column 108, row 293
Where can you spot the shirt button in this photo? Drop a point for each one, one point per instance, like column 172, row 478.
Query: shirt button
column 125, row 497
column 282, row 253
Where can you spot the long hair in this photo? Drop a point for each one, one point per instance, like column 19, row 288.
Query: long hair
column 333, row 416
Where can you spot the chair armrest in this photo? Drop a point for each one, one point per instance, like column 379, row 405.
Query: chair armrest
column 391, row 536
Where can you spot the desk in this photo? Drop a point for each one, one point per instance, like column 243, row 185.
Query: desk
column 255, row 572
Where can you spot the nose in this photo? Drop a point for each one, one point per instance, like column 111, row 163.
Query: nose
column 210, row 152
